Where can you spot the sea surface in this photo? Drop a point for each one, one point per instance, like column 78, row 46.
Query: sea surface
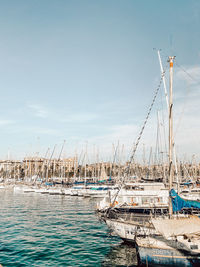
column 50, row 230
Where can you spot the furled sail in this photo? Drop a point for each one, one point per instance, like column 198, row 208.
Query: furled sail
column 177, row 226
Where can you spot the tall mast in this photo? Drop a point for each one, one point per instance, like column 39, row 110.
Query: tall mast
column 167, row 101
column 170, row 128
column 163, row 78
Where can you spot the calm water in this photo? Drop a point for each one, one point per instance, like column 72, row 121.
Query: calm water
column 45, row 230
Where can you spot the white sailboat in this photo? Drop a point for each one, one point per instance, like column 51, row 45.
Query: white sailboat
column 176, row 240
column 136, row 195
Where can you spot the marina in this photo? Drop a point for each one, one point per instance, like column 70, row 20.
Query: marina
column 158, row 216
column 71, row 207
column 162, row 237
column 100, row 133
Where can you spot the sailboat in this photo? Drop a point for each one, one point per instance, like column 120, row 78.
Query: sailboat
column 174, row 242
column 175, row 239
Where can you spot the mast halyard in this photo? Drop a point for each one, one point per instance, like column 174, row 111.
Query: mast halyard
column 170, row 129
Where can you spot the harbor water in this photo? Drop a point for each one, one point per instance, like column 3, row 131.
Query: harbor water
column 54, row 230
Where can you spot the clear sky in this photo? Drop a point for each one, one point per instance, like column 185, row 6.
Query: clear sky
column 86, row 71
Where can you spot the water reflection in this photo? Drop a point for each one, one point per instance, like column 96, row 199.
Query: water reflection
column 121, row 255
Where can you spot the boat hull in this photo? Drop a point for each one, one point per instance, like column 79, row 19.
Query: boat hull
column 165, row 257
column 128, row 231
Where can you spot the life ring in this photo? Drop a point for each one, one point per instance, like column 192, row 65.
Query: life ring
column 134, row 204
column 114, row 204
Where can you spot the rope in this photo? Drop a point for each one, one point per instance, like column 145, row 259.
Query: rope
column 188, row 90
column 145, row 122
column 127, row 170
column 189, row 75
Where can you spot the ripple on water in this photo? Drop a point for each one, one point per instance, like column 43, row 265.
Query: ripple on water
column 46, row 230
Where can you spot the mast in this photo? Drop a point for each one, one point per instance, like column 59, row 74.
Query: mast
column 85, row 178
column 170, row 128
column 48, row 163
column 167, row 101
column 61, row 150
column 163, row 78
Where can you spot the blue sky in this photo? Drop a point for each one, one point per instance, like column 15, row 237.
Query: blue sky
column 85, row 71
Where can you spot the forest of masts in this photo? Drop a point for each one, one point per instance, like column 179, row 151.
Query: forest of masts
column 70, row 170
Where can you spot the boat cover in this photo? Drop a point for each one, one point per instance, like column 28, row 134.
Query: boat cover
column 179, row 203
column 177, row 226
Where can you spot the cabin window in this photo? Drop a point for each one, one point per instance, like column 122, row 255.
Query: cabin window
column 194, row 246
column 146, row 200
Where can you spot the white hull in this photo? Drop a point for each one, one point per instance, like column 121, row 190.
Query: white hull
column 18, row 188
column 162, row 252
column 67, row 191
column 42, row 190
column 128, row 230
column 56, row 191
column 28, row 189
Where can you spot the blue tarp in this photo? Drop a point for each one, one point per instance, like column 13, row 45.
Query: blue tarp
column 47, row 183
column 178, row 203
column 79, row 182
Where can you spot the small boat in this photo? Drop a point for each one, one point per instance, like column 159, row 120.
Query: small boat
column 67, row 191
column 42, row 190
column 175, row 243
column 77, row 190
column 18, row 188
column 193, row 194
column 28, row 189
column 56, row 191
